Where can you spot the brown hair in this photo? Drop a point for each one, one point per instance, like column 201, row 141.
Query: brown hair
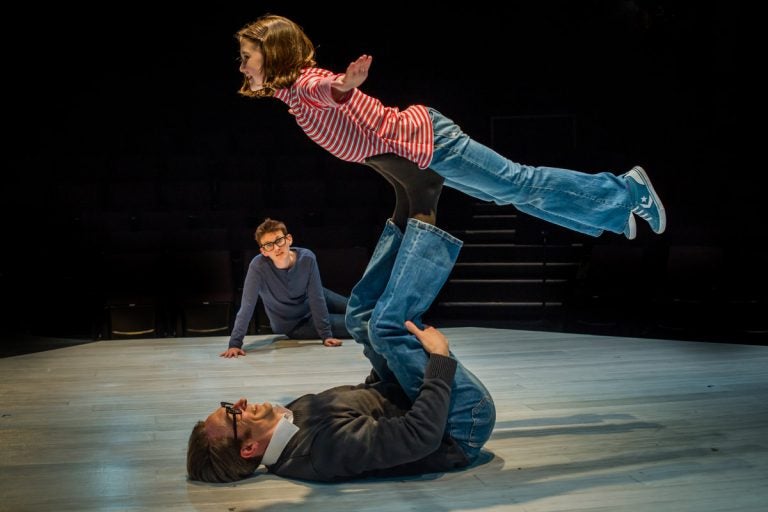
column 268, row 226
column 216, row 461
column 286, row 48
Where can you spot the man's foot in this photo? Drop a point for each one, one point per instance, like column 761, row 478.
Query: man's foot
column 647, row 203
column 630, row 231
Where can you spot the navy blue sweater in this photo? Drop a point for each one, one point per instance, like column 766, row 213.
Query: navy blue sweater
column 289, row 296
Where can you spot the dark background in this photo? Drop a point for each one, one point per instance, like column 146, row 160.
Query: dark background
column 117, row 113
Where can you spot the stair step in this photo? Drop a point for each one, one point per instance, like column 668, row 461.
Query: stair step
column 493, row 209
column 499, row 311
column 490, row 220
column 487, row 252
column 485, row 216
column 514, row 269
column 498, row 235
column 504, row 290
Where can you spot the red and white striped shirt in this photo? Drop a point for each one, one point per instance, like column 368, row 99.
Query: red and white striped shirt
column 361, row 126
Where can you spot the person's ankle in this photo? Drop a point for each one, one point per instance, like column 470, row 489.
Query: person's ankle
column 429, row 218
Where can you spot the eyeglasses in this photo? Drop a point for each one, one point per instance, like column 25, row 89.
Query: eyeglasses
column 232, row 411
column 276, row 242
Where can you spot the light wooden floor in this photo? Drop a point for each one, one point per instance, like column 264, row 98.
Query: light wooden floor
column 585, row 423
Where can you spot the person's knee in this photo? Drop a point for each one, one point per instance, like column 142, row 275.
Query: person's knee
column 351, row 321
column 381, row 329
column 356, row 317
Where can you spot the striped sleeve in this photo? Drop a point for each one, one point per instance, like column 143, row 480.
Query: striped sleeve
column 361, row 126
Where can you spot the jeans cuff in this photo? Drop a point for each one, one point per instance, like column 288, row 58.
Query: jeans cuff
column 424, row 226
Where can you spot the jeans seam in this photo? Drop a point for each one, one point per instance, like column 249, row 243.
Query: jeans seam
column 480, row 168
column 407, row 255
column 380, row 307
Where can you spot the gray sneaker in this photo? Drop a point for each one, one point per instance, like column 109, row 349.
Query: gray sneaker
column 647, row 203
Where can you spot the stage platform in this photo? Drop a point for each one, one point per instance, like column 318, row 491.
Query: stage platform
column 584, row 423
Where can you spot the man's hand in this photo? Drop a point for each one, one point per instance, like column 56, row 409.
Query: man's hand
column 356, row 74
column 431, row 339
column 232, row 352
column 332, row 342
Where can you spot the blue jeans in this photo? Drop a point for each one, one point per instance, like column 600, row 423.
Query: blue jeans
column 588, row 203
column 337, row 307
column 404, row 276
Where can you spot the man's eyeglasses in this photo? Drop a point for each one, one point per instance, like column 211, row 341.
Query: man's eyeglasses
column 232, row 411
column 276, row 242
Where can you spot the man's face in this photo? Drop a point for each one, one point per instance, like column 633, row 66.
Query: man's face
column 254, row 421
column 270, row 246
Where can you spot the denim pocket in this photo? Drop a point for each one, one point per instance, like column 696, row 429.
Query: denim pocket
column 483, row 421
column 444, row 128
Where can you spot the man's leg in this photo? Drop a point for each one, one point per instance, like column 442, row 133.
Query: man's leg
column 339, row 326
column 425, row 260
column 306, row 330
column 335, row 302
column 367, row 291
column 337, row 310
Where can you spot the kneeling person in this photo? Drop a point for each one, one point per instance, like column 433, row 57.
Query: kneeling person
column 288, row 281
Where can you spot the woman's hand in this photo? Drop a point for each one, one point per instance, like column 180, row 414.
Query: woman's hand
column 355, row 75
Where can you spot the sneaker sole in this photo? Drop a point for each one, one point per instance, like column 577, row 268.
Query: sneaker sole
column 631, row 230
column 659, row 206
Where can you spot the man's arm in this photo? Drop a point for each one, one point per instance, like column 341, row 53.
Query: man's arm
column 251, row 289
column 317, row 305
column 365, row 443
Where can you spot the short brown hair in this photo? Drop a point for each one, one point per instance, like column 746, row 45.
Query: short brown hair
column 268, row 226
column 216, row 461
column 286, row 48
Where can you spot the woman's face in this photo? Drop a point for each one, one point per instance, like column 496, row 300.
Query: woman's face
column 252, row 64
